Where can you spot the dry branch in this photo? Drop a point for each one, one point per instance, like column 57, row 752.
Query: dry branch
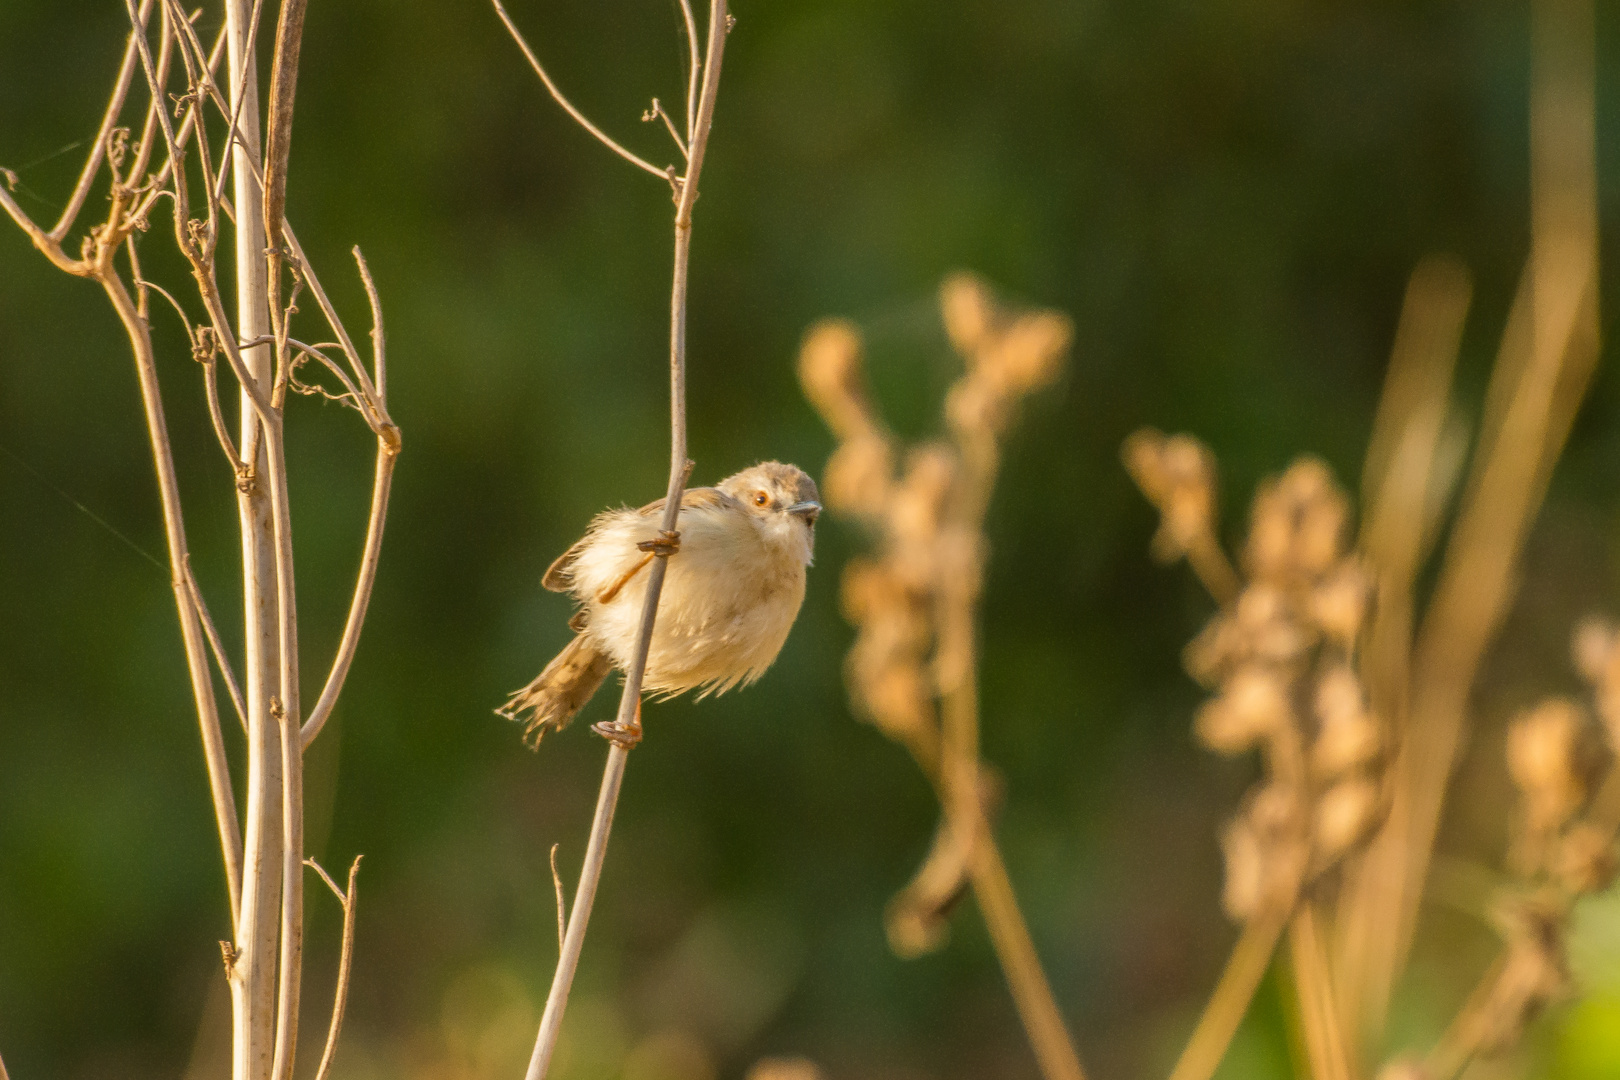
column 625, row 730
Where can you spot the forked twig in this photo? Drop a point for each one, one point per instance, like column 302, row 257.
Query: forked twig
column 557, row 95
column 340, row 996
column 626, row 728
column 98, row 148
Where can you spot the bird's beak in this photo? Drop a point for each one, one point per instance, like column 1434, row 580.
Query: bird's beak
column 807, row 510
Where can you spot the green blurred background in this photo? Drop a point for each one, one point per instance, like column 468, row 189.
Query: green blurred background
column 1227, row 199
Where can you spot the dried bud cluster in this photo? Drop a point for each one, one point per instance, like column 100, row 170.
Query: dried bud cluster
column 1281, row 658
column 1177, row 474
column 1008, row 356
column 1557, row 754
column 911, row 600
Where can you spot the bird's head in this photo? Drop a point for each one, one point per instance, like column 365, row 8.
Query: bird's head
column 783, row 500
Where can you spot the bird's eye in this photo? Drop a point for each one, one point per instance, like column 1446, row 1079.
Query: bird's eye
column 761, row 498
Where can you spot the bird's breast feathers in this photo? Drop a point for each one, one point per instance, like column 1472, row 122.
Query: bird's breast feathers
column 729, row 599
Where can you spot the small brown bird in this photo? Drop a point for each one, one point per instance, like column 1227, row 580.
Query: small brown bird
column 730, row 596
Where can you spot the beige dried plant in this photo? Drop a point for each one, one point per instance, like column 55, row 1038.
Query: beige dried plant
column 912, row 670
column 207, row 158
column 1281, row 658
column 1357, row 685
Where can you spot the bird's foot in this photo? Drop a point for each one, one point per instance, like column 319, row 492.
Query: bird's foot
column 625, row 736
column 663, row 545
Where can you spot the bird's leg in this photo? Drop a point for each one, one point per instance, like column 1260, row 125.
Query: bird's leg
column 611, row 591
column 623, row 735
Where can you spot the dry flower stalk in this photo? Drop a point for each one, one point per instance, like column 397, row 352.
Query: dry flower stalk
column 263, row 854
column 1562, row 760
column 913, row 668
column 1412, row 669
column 1281, row 656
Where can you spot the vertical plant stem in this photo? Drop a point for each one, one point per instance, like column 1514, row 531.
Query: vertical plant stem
column 253, row 984
column 1032, row 995
column 545, row 1044
column 1548, row 353
column 1319, row 1016
column 202, row 685
column 283, row 88
column 1230, row 1002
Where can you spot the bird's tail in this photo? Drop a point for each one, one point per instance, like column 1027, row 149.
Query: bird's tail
column 560, row 691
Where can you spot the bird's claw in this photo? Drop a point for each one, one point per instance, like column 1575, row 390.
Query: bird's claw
column 624, row 736
column 663, row 545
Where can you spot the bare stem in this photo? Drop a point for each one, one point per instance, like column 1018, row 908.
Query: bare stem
column 381, row 484
column 1227, row 1005
column 1547, row 356
column 340, row 996
column 557, row 95
column 1032, row 994
column 629, row 703
column 220, row 659
column 1320, row 1016
column 219, row 777
column 98, row 149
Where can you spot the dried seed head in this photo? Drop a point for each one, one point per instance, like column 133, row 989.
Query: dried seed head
column 918, row 507
column 896, row 697
column 968, row 310
column 1592, row 646
column 974, row 409
column 1552, row 757
column 1400, row 1069
column 1338, row 605
column 1177, row 474
column 1596, row 646
column 784, row 1069
column 1347, row 734
column 1030, row 354
column 1585, row 859
column 1343, row 814
column 1245, row 883
column 1297, row 523
column 830, row 371
column 857, row 478
column 1252, row 704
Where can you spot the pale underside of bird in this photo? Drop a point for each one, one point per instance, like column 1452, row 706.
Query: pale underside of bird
column 733, row 588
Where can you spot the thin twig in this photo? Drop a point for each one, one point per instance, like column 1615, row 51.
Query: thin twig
column 220, row 659
column 278, row 140
column 98, row 149
column 694, row 67
column 656, row 112
column 627, row 719
column 1226, row 1007
column 382, row 482
column 219, row 776
column 143, row 148
column 340, row 996
column 1324, row 1038
column 603, row 137
column 1548, row 351
column 1032, row 994
column 562, row 902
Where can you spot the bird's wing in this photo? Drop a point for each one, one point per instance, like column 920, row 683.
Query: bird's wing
column 559, row 572
column 558, row 577
column 691, row 499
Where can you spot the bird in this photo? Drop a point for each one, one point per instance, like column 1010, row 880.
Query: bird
column 734, row 586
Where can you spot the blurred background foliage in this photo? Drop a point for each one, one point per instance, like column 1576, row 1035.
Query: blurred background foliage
column 1226, row 197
